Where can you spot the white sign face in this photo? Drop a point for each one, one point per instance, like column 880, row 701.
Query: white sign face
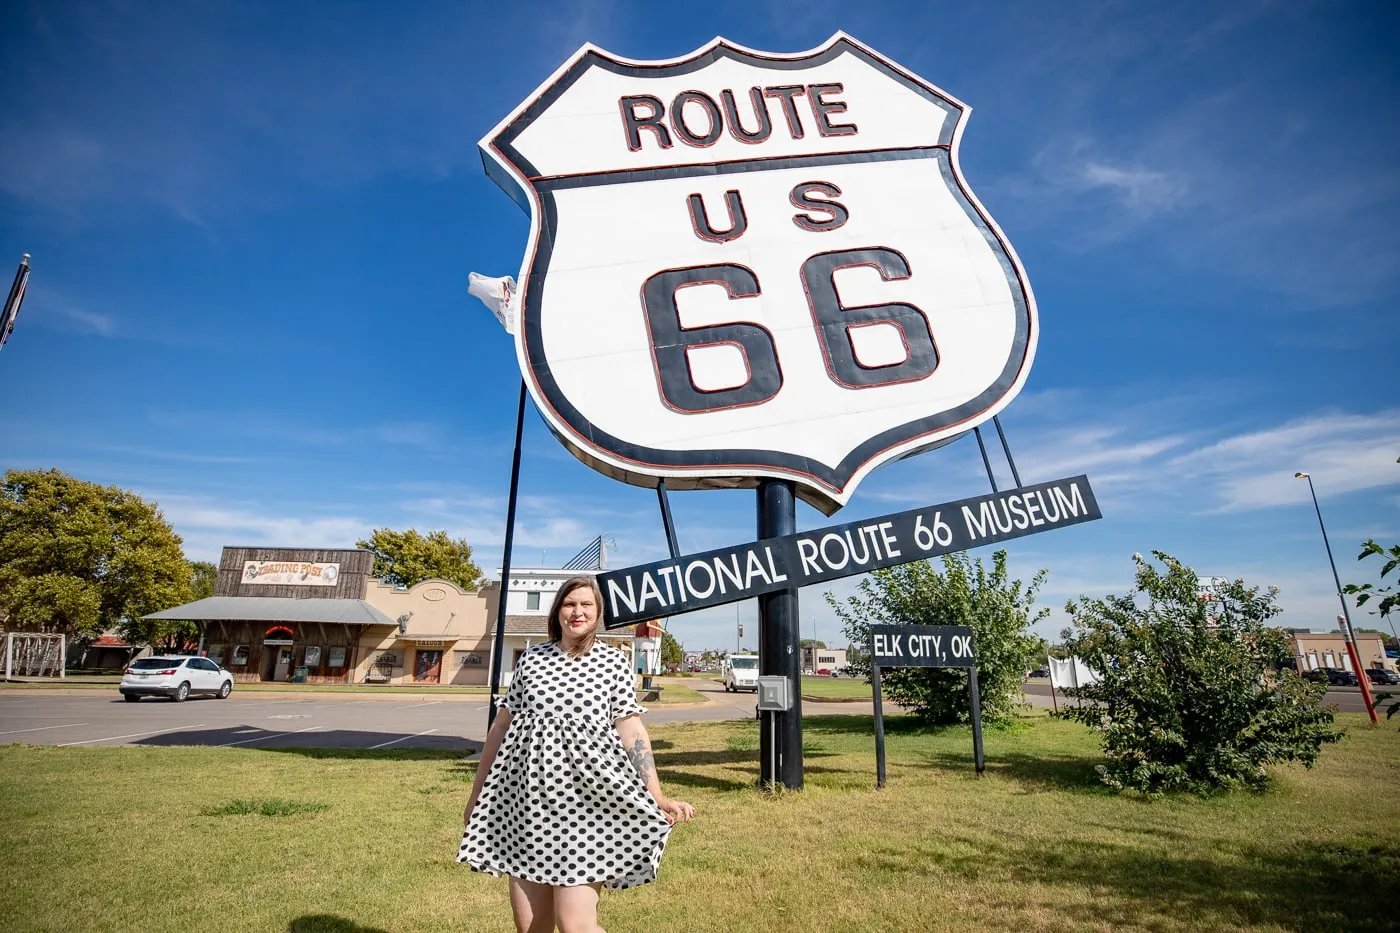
column 750, row 265
column 289, row 573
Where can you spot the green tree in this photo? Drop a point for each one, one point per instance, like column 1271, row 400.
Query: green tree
column 404, row 558
column 811, row 643
column 171, row 635
column 1193, row 695
column 1364, row 592
column 672, row 657
column 997, row 608
column 78, row 558
column 202, row 577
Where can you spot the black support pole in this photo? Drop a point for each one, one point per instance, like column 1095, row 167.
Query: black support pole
column 1006, row 447
column 500, row 642
column 977, row 757
column 879, row 722
column 778, row 636
column 986, row 461
column 667, row 521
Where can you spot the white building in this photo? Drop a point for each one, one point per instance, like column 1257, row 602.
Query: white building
column 530, row 594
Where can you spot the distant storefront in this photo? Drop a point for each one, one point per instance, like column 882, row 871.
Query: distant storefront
column 283, row 614
column 318, row 616
column 1314, row 650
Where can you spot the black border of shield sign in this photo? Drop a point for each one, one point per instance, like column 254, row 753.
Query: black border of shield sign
column 819, row 484
column 670, row 587
column 923, row 646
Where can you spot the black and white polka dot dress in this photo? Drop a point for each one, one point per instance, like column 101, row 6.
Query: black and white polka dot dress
column 562, row 803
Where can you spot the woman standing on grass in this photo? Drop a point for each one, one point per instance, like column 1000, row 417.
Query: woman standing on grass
column 566, row 798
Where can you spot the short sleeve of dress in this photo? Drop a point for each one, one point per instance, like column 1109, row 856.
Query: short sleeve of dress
column 624, row 692
column 515, row 694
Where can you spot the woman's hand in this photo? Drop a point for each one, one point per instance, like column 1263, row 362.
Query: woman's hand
column 677, row 811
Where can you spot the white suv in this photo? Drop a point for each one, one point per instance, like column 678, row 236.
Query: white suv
column 175, row 677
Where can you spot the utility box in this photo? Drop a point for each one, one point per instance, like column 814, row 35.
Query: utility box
column 774, row 693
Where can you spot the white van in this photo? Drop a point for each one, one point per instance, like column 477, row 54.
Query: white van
column 741, row 673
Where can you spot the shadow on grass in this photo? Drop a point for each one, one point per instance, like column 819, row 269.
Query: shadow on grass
column 1301, row 887
column 329, row 743
column 1037, row 772
column 671, row 768
column 329, row 923
column 856, row 724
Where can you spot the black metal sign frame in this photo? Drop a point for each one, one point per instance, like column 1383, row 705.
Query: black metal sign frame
column 923, row 646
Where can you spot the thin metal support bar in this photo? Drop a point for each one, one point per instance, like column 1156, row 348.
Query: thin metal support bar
column 500, row 641
column 1006, row 447
column 986, row 461
column 666, row 520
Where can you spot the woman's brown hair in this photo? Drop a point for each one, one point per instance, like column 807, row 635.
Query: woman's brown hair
column 556, row 631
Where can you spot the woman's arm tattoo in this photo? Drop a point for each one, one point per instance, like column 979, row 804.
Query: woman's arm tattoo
column 642, row 759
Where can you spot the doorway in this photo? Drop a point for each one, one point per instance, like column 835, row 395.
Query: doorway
column 427, row 666
column 284, row 663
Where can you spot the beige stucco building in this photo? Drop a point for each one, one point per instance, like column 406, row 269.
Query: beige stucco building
column 440, row 635
column 1315, row 650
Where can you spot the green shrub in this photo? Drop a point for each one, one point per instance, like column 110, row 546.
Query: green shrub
column 1194, row 694
column 997, row 608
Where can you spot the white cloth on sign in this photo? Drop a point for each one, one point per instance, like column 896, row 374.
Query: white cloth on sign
column 1068, row 673
column 496, row 294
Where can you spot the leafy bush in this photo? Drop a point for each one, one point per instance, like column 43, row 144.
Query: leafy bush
column 997, row 608
column 1194, row 694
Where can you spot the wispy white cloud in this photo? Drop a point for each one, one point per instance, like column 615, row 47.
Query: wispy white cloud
column 91, row 322
column 1345, row 453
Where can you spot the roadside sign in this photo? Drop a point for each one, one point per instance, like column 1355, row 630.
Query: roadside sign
column 726, row 575
column 923, row 646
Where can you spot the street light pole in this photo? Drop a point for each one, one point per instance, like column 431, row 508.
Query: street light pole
column 1350, row 634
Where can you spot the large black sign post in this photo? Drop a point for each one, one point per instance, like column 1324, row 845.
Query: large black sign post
column 923, row 646
column 780, row 745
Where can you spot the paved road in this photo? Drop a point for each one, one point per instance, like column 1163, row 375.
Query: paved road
column 270, row 721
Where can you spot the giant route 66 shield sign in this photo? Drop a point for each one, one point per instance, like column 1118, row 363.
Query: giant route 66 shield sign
column 749, row 265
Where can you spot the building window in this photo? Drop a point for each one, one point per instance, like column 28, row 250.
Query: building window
column 313, row 656
column 826, row 659
column 468, row 659
column 532, row 599
column 240, row 656
column 337, row 657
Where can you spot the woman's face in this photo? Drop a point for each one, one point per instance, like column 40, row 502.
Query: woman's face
column 578, row 615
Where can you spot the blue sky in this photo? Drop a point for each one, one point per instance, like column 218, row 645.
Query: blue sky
column 252, row 225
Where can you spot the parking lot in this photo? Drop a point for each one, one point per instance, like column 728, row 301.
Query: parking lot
column 258, row 720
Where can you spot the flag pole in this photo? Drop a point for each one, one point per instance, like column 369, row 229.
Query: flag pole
column 499, row 645
column 14, row 300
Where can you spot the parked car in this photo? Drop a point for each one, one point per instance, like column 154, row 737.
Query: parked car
column 1039, row 672
column 1338, row 677
column 1316, row 676
column 176, row 677
column 1379, row 675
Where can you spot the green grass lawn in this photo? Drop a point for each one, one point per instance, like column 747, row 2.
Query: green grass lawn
column 324, row 841
column 675, row 691
column 836, row 688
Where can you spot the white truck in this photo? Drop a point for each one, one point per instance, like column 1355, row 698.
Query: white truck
column 741, row 673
